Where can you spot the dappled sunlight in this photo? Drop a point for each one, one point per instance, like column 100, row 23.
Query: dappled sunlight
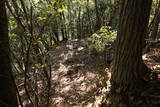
column 152, row 60
column 80, row 53
column 75, row 79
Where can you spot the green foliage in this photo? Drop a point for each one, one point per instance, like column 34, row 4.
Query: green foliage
column 83, row 3
column 104, row 35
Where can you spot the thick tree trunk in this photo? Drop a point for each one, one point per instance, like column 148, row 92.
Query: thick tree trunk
column 128, row 66
column 7, row 90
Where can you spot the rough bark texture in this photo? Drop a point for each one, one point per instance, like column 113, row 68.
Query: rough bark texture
column 7, row 91
column 128, row 66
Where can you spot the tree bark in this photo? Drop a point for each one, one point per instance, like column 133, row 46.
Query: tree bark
column 7, row 90
column 156, row 22
column 128, row 66
column 98, row 21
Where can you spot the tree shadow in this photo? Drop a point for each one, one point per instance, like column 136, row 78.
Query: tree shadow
column 77, row 76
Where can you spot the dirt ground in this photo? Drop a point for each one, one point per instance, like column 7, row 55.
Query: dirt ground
column 78, row 77
column 77, row 74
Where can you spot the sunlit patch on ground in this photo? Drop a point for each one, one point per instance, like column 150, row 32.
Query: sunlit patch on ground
column 74, row 77
column 152, row 60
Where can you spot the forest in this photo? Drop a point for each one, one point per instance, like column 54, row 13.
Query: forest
column 80, row 53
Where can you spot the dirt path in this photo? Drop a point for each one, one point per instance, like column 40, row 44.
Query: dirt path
column 77, row 79
column 75, row 75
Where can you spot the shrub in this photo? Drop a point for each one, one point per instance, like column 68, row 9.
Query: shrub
column 103, row 36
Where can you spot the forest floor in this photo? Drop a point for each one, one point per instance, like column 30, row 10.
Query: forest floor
column 78, row 79
column 150, row 96
column 76, row 75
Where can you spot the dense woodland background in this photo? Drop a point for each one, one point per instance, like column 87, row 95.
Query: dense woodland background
column 79, row 53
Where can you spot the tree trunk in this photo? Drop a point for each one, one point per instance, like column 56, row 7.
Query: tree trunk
column 156, row 22
column 63, row 27
column 89, row 19
column 128, row 67
column 7, row 89
column 98, row 21
column 79, row 27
